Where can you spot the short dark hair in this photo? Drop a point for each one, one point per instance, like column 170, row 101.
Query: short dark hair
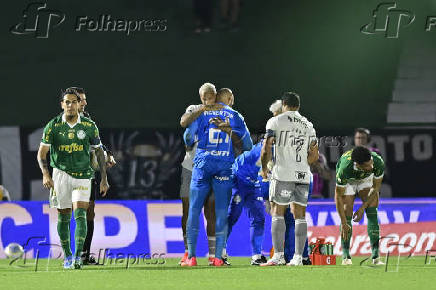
column 78, row 90
column 291, row 99
column 70, row 91
column 360, row 155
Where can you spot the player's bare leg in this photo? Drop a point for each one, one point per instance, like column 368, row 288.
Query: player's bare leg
column 299, row 213
column 348, row 201
column 209, row 214
column 278, row 228
column 373, row 227
column 80, row 209
column 185, row 213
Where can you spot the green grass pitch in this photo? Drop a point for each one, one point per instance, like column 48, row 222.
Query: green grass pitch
column 412, row 273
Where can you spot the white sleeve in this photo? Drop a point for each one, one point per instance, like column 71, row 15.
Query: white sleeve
column 192, row 108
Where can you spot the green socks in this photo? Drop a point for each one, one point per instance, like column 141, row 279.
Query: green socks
column 346, row 244
column 81, row 230
column 64, row 232
column 373, row 230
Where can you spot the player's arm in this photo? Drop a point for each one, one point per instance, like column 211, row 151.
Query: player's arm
column 190, row 133
column 266, row 154
column 341, row 183
column 372, row 196
column 192, row 114
column 96, row 145
column 43, row 165
column 313, row 154
column 374, row 192
column 225, row 127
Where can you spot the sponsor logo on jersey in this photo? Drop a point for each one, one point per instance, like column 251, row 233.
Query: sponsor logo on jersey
column 300, row 175
column 71, row 148
column 219, row 153
column 81, row 134
column 80, row 188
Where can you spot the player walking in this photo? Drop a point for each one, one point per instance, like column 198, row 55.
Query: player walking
column 295, row 148
column 70, row 138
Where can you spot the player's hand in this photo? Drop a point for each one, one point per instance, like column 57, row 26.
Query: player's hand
column 264, row 174
column 222, row 125
column 104, row 186
column 345, row 231
column 47, row 181
column 110, row 162
column 357, row 216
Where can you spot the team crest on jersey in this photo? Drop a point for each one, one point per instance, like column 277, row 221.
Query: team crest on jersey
column 71, row 135
column 237, row 199
column 81, row 134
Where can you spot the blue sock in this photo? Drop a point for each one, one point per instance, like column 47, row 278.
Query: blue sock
column 305, row 253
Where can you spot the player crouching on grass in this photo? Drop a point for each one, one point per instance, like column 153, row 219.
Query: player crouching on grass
column 70, row 138
column 362, row 171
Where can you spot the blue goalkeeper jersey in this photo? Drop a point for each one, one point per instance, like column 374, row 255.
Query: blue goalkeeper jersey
column 247, row 165
column 214, row 144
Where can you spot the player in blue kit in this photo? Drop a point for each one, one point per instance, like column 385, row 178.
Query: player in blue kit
column 244, row 195
column 213, row 168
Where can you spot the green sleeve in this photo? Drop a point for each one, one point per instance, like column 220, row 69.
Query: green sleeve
column 47, row 136
column 341, row 179
column 94, row 135
column 379, row 166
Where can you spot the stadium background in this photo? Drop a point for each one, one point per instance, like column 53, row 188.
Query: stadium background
column 139, row 85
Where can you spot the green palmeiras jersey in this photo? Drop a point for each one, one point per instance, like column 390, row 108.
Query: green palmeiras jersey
column 347, row 172
column 70, row 146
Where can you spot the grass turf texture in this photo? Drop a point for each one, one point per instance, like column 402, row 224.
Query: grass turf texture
column 412, row 273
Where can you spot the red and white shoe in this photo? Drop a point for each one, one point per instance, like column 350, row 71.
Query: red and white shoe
column 211, row 260
column 218, row 262
column 190, row 262
column 185, row 257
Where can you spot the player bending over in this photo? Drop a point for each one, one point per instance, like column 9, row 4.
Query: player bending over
column 359, row 170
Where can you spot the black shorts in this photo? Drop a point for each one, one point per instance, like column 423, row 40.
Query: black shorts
column 95, row 186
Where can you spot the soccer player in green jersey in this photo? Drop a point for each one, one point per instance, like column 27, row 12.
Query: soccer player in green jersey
column 359, row 170
column 70, row 138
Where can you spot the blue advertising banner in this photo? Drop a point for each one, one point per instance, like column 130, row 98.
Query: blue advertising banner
column 154, row 227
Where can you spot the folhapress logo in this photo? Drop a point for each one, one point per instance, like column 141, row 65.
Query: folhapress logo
column 388, row 20
column 38, row 20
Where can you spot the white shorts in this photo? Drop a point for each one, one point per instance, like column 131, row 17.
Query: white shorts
column 69, row 189
column 355, row 186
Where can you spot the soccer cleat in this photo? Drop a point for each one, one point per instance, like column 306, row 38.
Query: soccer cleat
column 274, row 261
column 190, row 262
column 210, row 260
column 68, row 263
column 297, row 260
column 217, row 262
column 307, row 261
column 184, row 258
column 377, row 261
column 225, row 259
column 90, row 260
column 78, row 263
column 257, row 262
column 347, row 262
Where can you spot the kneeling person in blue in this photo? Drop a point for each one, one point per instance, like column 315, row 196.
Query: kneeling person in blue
column 244, row 195
column 213, row 169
